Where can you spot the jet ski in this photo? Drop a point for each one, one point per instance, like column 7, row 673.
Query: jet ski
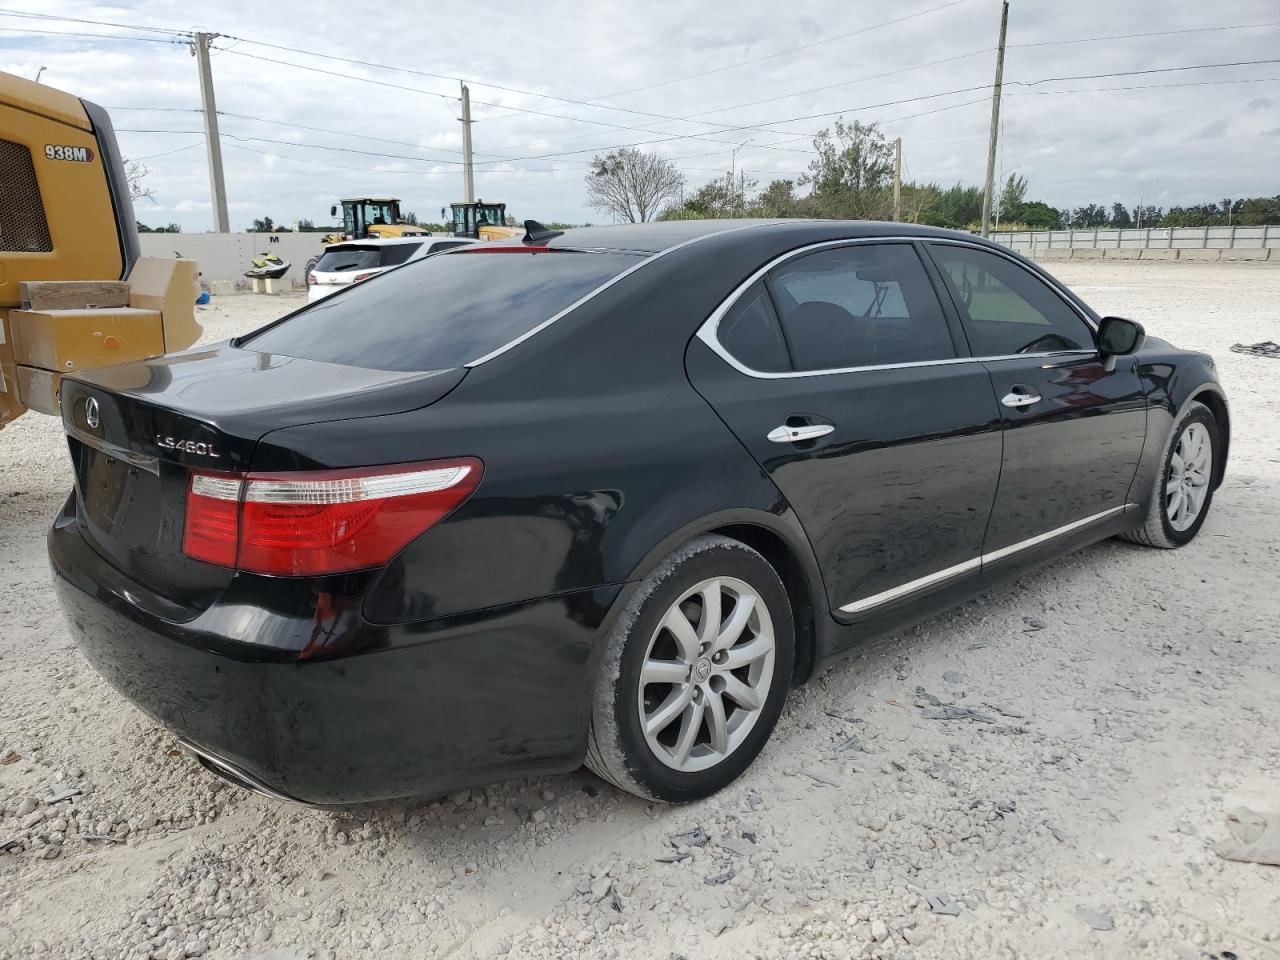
column 269, row 266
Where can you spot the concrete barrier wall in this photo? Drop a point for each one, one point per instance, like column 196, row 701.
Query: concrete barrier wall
column 226, row 256
column 1194, row 255
column 1143, row 238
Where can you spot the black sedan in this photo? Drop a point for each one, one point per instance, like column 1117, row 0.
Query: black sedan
column 602, row 495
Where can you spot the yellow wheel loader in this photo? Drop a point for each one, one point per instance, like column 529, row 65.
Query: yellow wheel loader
column 74, row 291
column 371, row 218
column 482, row 221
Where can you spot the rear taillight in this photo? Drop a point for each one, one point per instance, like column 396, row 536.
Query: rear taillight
column 364, row 276
column 323, row 521
column 311, row 279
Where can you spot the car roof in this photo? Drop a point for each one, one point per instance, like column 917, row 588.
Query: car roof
column 657, row 236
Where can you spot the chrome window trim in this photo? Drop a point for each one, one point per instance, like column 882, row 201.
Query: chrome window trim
column 941, row 576
column 609, row 283
column 708, row 333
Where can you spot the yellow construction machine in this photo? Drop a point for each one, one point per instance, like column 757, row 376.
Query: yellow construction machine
column 376, row 218
column 481, row 221
column 74, row 291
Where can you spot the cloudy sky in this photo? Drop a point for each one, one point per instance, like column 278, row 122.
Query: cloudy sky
column 554, row 82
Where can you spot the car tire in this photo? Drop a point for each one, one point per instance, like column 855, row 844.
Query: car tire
column 1181, row 495
column 678, row 713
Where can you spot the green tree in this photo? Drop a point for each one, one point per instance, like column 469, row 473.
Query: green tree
column 262, row 225
column 852, row 174
column 1120, row 218
column 1010, row 198
column 1257, row 211
column 1040, row 215
column 1092, row 215
column 779, row 199
column 956, row 207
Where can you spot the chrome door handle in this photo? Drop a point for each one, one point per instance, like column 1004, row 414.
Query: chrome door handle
column 1020, row 396
column 811, row 431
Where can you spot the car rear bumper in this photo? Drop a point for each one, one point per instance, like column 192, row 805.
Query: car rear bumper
column 430, row 707
column 318, row 291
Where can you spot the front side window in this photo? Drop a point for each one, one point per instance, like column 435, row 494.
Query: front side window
column 1005, row 308
column 858, row 306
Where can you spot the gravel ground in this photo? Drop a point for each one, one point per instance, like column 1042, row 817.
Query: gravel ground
column 1130, row 699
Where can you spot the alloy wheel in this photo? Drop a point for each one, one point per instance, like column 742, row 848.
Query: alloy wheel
column 706, row 674
column 1190, row 471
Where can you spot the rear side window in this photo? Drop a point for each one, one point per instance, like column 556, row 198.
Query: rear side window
column 394, row 254
column 859, row 306
column 344, row 259
column 441, row 312
column 751, row 334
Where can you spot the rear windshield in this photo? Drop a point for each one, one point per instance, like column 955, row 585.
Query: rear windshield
column 343, row 259
column 440, row 312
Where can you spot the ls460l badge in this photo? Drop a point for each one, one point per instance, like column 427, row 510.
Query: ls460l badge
column 187, row 446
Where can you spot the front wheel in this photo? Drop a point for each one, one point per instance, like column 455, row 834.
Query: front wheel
column 1184, row 486
column 695, row 673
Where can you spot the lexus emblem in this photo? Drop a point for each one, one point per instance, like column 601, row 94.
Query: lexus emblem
column 91, row 416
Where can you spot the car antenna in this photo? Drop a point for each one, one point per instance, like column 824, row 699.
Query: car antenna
column 534, row 232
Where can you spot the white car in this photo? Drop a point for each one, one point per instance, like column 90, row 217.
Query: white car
column 354, row 260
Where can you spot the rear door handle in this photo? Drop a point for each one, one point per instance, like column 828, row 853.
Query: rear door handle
column 1020, row 396
column 809, row 431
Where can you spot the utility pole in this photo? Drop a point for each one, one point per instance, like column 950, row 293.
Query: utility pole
column 897, row 180
column 218, row 185
column 995, row 123
column 468, row 171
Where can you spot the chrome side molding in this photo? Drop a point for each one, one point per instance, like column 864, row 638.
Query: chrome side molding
column 941, row 576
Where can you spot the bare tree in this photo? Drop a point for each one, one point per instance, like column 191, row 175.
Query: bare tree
column 632, row 185
column 135, row 172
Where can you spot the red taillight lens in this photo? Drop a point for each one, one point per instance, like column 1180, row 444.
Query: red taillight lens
column 213, row 508
column 364, row 276
column 324, row 521
column 311, row 279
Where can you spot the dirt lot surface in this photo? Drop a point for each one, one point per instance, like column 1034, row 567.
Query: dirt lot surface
column 1132, row 695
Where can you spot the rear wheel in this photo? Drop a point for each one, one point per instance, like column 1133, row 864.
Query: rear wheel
column 695, row 673
column 1184, row 486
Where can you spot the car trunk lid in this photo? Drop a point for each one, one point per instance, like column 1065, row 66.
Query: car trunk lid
column 136, row 431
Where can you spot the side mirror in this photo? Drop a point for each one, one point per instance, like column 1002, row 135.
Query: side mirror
column 333, row 211
column 1118, row 337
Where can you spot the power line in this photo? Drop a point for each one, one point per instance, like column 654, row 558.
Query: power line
column 917, row 99
column 703, row 135
column 1157, row 33
column 153, row 156
column 142, row 28
column 98, row 36
column 436, row 173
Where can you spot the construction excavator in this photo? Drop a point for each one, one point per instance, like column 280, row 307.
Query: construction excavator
column 74, row 291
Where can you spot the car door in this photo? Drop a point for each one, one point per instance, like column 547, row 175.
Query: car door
column 839, row 370
column 1074, row 423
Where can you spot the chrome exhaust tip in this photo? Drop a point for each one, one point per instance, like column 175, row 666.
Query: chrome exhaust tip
column 233, row 774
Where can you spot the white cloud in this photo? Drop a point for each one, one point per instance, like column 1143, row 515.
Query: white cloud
column 1074, row 148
